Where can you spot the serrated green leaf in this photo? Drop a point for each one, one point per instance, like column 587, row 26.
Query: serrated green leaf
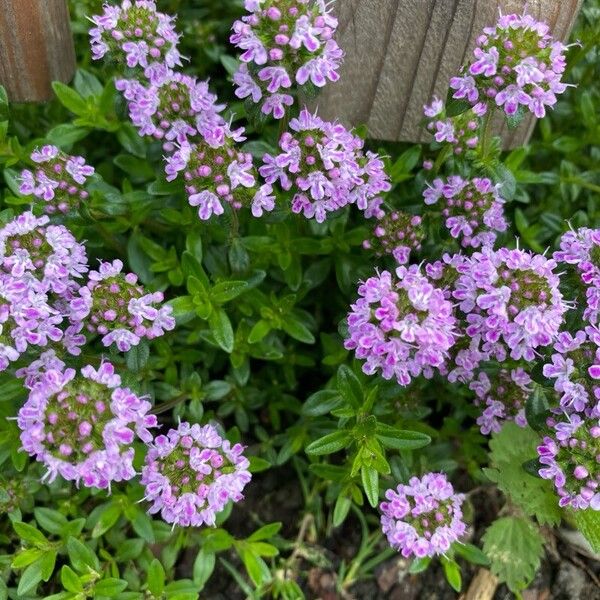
column 514, row 547
column 588, row 522
column 510, row 449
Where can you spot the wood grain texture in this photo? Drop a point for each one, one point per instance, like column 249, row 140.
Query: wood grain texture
column 36, row 48
column 399, row 53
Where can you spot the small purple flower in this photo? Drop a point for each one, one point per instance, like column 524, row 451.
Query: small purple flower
column 569, row 457
column 397, row 234
column 136, row 35
column 401, row 326
column 57, row 179
column 423, row 518
column 503, row 396
column 49, row 253
column 516, row 64
column 82, row 426
column 461, row 132
column 215, row 173
column 327, row 165
column 511, row 299
column 191, row 473
column 284, row 43
column 176, row 108
column 115, row 306
column 472, row 209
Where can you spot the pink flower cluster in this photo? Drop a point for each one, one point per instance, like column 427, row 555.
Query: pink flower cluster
column 511, row 299
column 503, row 395
column 326, row 166
column 401, row 326
column 461, row 132
column 284, row 42
column 472, row 208
column 397, row 234
column 82, row 426
column 136, row 35
column 216, row 173
column 40, row 266
column 115, row 306
column 570, row 458
column 581, row 248
column 192, row 473
column 58, row 180
column 174, row 109
column 423, row 518
column 516, row 63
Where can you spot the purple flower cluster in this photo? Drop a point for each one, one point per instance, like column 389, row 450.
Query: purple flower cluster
column 581, row 249
column 284, row 42
column 174, row 109
column 115, row 306
column 326, row 166
column 58, row 179
column 573, row 366
column 40, row 265
column 503, row 395
column 423, row 518
column 397, row 234
column 516, row 64
column 216, row 173
column 511, row 300
column 570, row 456
column 135, row 35
column 460, row 131
column 472, row 209
column 82, row 427
column 192, row 473
column 401, row 326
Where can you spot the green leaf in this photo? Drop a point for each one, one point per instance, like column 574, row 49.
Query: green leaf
column 329, row 443
column 455, row 107
column 257, row 569
column 537, row 408
column 349, row 386
column 26, row 557
column 131, row 140
column 110, row 587
column 70, row 580
column 220, row 325
column 30, row 534
column 82, row 558
column 588, row 522
column 69, row 98
column 87, row 84
column 340, row 510
column 47, row 563
column 259, row 331
column 296, row 329
column 156, row 578
column 66, row 134
column 472, row 553
column 109, row 516
column 203, row 567
column 510, row 448
column 137, row 356
column 227, row 290
column 452, row 573
column 265, row 532
column 419, row 565
column 51, row 520
column 514, row 547
column 321, row 403
column 370, row 480
column 29, row 579
column 401, row 439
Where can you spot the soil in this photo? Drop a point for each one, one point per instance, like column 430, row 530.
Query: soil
column 567, row 572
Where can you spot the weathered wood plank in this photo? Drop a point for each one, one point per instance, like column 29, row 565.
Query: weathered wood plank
column 401, row 52
column 36, row 48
